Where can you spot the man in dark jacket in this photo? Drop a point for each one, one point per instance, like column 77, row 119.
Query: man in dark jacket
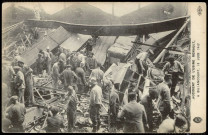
column 71, row 108
column 135, row 115
column 69, row 77
column 81, row 82
column 147, row 102
column 55, row 122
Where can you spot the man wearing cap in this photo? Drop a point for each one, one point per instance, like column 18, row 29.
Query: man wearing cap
column 91, row 62
column 174, row 68
column 29, row 97
column 71, row 108
column 141, row 61
column 81, row 82
column 56, row 73
column 47, row 58
column 55, row 122
column 164, row 100
column 16, row 114
column 95, row 104
column 62, row 57
column 114, row 106
column 148, row 103
column 98, row 74
column 69, row 77
column 20, row 83
column 39, row 62
column 135, row 115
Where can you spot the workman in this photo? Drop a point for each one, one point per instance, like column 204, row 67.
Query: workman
column 134, row 114
column 174, row 68
column 164, row 100
column 39, row 62
column 56, row 73
column 149, row 102
column 141, row 61
column 91, row 62
column 29, row 95
column 178, row 125
column 114, row 106
column 69, row 77
column 81, row 82
column 55, row 122
column 16, row 114
column 62, row 56
column 19, row 83
column 98, row 74
column 95, row 104
column 71, row 108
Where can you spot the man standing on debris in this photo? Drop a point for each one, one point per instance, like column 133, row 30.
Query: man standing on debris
column 29, row 97
column 56, row 73
column 164, row 104
column 16, row 113
column 39, row 62
column 55, row 122
column 141, row 62
column 69, row 77
column 71, row 108
column 95, row 104
column 81, row 82
column 114, row 106
column 98, row 74
column 174, row 68
column 135, row 116
column 148, row 102
column 19, row 83
column 91, row 62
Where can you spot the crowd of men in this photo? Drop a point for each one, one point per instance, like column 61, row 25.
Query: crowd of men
column 79, row 72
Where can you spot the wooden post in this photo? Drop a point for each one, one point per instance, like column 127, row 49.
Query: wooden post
column 171, row 42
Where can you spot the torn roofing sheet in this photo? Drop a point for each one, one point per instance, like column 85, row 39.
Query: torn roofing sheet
column 102, row 45
column 122, row 46
column 75, row 41
column 60, row 35
column 155, row 37
column 31, row 55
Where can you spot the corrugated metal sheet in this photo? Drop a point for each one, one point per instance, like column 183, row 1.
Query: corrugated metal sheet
column 59, row 35
column 31, row 55
column 75, row 41
column 122, row 46
column 102, row 45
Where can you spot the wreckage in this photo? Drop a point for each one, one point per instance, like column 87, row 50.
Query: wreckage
column 116, row 48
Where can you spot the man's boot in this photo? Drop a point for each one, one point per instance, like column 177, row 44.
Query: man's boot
column 94, row 129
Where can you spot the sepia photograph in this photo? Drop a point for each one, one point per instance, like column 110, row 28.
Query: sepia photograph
column 103, row 67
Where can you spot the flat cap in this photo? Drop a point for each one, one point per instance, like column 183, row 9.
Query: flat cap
column 14, row 98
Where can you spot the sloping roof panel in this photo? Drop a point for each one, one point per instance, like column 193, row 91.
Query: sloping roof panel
column 122, row 46
column 59, row 35
column 102, row 45
column 74, row 42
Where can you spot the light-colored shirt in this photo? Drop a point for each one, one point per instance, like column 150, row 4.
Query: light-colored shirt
column 175, row 68
column 96, row 95
column 20, row 76
column 98, row 74
column 55, row 70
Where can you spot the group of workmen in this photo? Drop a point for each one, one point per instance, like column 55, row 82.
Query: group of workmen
column 79, row 72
